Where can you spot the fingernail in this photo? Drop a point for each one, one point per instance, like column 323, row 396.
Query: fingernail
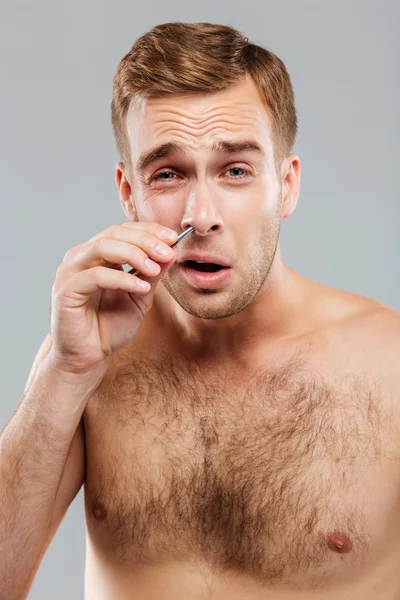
column 142, row 284
column 166, row 234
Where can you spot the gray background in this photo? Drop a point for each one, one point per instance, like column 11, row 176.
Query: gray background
column 58, row 157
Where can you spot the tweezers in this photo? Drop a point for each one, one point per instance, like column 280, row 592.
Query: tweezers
column 181, row 236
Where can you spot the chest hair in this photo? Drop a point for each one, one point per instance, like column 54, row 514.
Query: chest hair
column 250, row 472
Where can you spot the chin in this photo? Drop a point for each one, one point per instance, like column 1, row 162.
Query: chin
column 209, row 303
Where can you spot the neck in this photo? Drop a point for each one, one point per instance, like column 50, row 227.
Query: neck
column 278, row 311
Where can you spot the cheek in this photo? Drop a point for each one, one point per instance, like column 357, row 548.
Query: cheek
column 150, row 206
column 163, row 207
column 269, row 200
column 257, row 206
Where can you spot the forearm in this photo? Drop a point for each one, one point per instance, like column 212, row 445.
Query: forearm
column 34, row 446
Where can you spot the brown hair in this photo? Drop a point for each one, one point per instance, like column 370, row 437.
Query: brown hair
column 179, row 58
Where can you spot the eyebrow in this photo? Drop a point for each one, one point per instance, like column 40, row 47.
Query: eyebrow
column 222, row 146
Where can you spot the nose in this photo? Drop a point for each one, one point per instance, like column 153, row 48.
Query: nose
column 201, row 212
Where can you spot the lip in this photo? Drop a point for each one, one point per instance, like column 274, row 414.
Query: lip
column 210, row 258
column 202, row 279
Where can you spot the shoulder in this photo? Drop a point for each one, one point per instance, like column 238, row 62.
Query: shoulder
column 349, row 311
column 370, row 336
column 379, row 321
column 358, row 332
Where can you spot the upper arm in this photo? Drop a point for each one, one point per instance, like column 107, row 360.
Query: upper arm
column 74, row 471
column 73, row 474
column 71, row 481
column 72, row 478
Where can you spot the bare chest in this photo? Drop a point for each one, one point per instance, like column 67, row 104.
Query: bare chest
column 278, row 474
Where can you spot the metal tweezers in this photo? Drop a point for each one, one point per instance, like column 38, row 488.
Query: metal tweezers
column 181, row 236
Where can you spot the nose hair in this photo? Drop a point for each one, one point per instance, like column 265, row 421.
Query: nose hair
column 201, row 213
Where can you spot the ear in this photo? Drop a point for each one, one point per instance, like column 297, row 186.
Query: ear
column 125, row 192
column 290, row 177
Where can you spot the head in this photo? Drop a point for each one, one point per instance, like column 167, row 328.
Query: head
column 204, row 123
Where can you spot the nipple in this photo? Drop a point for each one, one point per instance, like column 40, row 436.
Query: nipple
column 99, row 511
column 339, row 542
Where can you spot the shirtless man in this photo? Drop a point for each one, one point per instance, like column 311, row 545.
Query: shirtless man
column 236, row 433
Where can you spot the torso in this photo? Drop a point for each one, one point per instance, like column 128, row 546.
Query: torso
column 209, row 481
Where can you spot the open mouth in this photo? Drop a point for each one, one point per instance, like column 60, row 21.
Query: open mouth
column 206, row 275
column 203, row 267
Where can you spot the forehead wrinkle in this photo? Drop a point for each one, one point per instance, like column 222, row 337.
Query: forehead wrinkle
column 195, row 141
column 231, row 104
column 201, row 121
column 239, row 121
column 204, row 129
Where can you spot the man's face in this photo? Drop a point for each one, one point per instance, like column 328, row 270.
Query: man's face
column 232, row 199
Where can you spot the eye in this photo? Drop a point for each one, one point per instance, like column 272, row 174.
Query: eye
column 160, row 176
column 246, row 171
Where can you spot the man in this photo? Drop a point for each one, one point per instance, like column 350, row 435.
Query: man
column 236, row 428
